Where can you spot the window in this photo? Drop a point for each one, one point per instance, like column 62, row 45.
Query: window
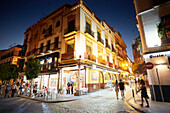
column 106, row 41
column 88, row 28
column 41, row 48
column 70, row 47
column 88, row 49
column 94, row 75
column 50, row 29
column 108, row 59
column 106, row 76
column 57, row 24
column 56, row 42
column 48, row 45
column 71, row 26
column 100, row 54
column 43, row 32
column 98, row 36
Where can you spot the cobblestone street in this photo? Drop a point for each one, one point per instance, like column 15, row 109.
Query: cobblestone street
column 103, row 102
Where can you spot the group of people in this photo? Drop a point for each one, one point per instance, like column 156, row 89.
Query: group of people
column 10, row 89
column 70, row 85
column 121, row 86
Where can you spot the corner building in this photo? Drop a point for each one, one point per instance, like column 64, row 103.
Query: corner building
column 150, row 13
column 73, row 44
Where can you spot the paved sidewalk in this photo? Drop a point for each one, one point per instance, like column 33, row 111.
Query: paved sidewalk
column 66, row 98
column 155, row 107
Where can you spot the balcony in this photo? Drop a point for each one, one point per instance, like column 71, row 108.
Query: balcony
column 47, row 33
column 50, row 48
column 67, row 56
column 89, row 31
column 102, row 61
column 119, row 55
column 108, row 46
column 110, row 64
column 117, row 44
column 7, row 55
column 89, row 57
column 70, row 29
column 113, row 50
column 100, row 40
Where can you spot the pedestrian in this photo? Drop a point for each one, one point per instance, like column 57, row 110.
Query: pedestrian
column 143, row 93
column 35, row 90
column 14, row 86
column 71, row 84
column 7, row 90
column 130, row 82
column 122, row 88
column 68, row 88
column 116, row 89
column 20, row 89
column 2, row 88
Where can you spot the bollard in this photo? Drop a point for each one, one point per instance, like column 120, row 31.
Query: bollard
column 133, row 93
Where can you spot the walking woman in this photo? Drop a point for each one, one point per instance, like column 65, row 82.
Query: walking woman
column 116, row 88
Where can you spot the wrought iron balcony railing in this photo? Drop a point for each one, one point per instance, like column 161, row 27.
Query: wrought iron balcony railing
column 89, row 31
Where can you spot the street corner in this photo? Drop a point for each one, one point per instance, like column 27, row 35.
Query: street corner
column 135, row 105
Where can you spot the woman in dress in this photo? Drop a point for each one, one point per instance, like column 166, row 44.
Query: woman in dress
column 116, row 89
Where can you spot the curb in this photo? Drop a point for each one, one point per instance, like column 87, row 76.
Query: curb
column 45, row 101
column 141, row 111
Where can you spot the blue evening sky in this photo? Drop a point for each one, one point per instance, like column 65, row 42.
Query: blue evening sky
column 17, row 15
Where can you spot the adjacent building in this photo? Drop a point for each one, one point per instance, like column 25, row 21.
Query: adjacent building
column 11, row 55
column 153, row 18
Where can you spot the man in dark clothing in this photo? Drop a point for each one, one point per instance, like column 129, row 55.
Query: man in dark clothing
column 71, row 84
column 68, row 88
column 122, row 88
column 7, row 89
column 143, row 93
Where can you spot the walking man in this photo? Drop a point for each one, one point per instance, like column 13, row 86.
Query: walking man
column 71, row 84
column 13, row 89
column 143, row 93
column 122, row 88
column 7, row 90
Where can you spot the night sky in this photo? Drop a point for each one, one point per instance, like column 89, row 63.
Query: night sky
column 17, row 15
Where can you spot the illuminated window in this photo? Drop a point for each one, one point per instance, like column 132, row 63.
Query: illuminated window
column 108, row 59
column 55, row 60
column 112, row 77
column 88, row 49
column 100, row 53
column 106, row 76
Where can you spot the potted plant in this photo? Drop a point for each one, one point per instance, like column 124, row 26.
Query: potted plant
column 162, row 30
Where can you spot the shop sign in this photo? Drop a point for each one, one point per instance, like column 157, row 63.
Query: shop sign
column 149, row 65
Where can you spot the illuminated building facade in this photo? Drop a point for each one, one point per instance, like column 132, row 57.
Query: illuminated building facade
column 73, row 44
column 122, row 62
column 11, row 55
column 151, row 15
